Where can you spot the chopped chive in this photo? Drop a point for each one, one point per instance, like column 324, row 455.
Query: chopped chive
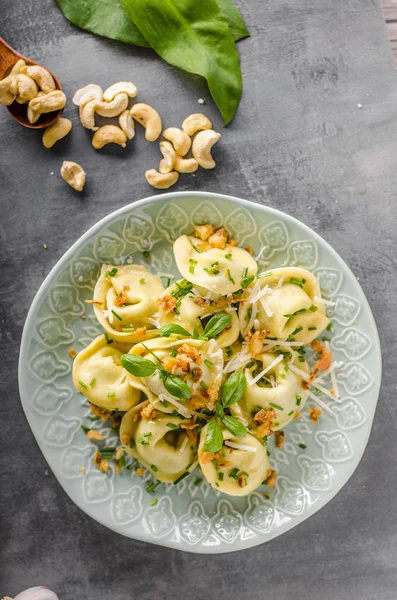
column 142, row 280
column 266, row 496
column 197, row 250
column 147, row 434
column 164, row 403
column 294, row 314
column 146, row 254
column 168, row 282
column 153, row 502
column 261, row 275
column 246, row 281
column 229, row 351
column 297, row 281
column 208, row 363
column 172, row 426
column 311, row 328
column 291, row 412
column 301, row 359
column 193, row 261
column 189, row 465
column 282, row 375
column 111, row 394
column 298, row 400
column 191, row 270
column 303, row 446
column 83, row 384
column 143, row 442
column 197, row 481
column 245, row 273
column 111, row 273
column 94, row 418
column 121, row 462
column 132, row 466
column 229, row 276
column 175, row 413
column 131, row 444
column 329, row 327
column 221, row 476
column 297, row 330
column 128, row 329
column 313, row 308
column 326, row 339
column 228, row 256
column 204, row 385
column 277, row 406
column 116, row 315
column 84, row 428
column 233, row 473
column 107, row 338
column 154, row 468
column 93, row 380
column 250, row 364
column 185, row 474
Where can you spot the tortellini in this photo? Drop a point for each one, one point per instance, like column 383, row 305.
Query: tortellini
column 219, row 271
column 280, row 389
column 198, row 362
column 160, row 445
column 235, row 471
column 98, row 374
column 125, row 301
column 289, row 309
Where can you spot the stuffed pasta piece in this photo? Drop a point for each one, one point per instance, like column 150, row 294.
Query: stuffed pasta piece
column 287, row 304
column 125, row 302
column 237, row 469
column 99, row 375
column 165, row 445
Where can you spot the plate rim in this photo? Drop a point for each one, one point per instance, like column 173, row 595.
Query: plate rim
column 165, row 197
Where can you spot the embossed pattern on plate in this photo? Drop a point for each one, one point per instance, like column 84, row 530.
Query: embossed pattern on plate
column 316, row 459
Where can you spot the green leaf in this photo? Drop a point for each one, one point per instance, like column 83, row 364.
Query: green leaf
column 168, row 330
column 103, row 17
column 213, row 437
column 216, row 325
column 176, row 387
column 219, row 410
column 234, row 19
column 138, row 366
column 233, row 389
column 194, row 36
column 234, row 426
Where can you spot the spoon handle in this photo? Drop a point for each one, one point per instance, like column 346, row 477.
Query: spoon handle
column 8, row 57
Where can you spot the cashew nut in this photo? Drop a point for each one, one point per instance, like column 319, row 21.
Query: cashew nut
column 202, row 145
column 126, row 123
column 122, row 86
column 161, row 181
column 87, row 114
column 180, row 140
column 109, row 134
column 113, row 108
column 149, row 118
column 196, row 122
column 24, row 88
column 73, row 174
column 48, row 102
column 56, row 132
column 6, row 95
column 41, row 76
column 169, row 154
column 16, row 69
column 87, row 93
column 185, row 165
column 34, row 116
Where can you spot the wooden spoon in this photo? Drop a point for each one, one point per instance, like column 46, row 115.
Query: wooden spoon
column 8, row 58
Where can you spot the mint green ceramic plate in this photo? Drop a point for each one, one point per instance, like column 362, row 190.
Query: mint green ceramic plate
column 191, row 516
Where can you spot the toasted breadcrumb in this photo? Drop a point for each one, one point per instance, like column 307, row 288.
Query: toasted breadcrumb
column 242, row 480
column 279, row 438
column 203, row 232
column 140, row 333
column 101, row 463
column 314, row 414
column 94, row 435
column 82, row 469
column 196, row 402
column 148, row 412
column 121, row 299
column 197, row 374
column 297, row 416
column 192, row 436
column 125, row 439
column 316, row 345
column 266, row 422
column 72, row 353
column 139, row 471
column 232, row 242
column 96, row 302
column 191, row 352
column 119, row 453
column 118, row 468
column 188, row 425
column 167, row 303
column 212, row 396
column 249, row 250
column 199, row 301
column 202, row 246
column 173, row 363
column 271, row 478
column 100, row 412
column 206, row 457
column 218, row 239
column 256, row 343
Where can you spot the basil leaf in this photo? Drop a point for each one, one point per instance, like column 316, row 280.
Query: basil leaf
column 103, row 17
column 194, row 36
column 167, row 330
column 219, row 410
column 234, row 426
column 216, row 325
column 213, row 437
column 176, row 387
column 138, row 366
column 234, row 19
column 233, row 389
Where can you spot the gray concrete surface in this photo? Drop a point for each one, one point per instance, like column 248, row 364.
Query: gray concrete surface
column 299, row 143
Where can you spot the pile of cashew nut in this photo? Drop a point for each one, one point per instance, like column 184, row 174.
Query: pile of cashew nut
column 114, row 102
